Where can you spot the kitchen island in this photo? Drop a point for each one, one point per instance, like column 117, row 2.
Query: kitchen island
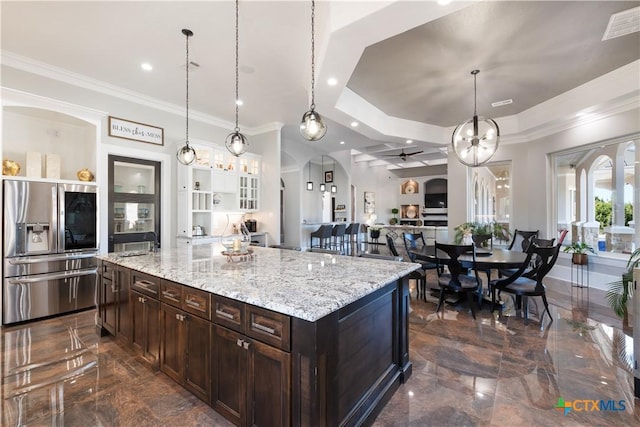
column 277, row 338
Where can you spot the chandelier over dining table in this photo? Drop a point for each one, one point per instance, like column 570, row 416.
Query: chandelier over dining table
column 475, row 141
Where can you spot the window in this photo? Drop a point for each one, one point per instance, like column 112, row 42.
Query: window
column 594, row 195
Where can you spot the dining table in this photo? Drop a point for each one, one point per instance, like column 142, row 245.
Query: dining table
column 487, row 259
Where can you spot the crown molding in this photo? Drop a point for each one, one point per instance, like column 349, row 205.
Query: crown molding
column 32, row 66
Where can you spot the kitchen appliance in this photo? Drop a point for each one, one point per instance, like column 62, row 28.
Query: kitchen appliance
column 50, row 236
column 198, row 230
column 252, row 225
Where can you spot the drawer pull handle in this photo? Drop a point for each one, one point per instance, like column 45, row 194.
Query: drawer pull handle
column 170, row 295
column 224, row 314
column 246, row 345
column 146, row 285
column 239, row 342
column 193, row 303
column 114, row 288
column 263, row 328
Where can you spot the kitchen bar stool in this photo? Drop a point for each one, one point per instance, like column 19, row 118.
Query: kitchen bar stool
column 338, row 233
column 353, row 229
column 323, row 234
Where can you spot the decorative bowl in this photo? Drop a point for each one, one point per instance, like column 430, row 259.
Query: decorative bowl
column 85, row 175
column 10, row 167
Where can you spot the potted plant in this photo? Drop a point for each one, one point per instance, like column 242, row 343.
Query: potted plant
column 619, row 291
column 580, row 251
column 465, row 232
column 394, row 220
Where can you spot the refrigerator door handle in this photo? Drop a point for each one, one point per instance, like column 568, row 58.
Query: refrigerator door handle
column 52, row 276
column 37, row 259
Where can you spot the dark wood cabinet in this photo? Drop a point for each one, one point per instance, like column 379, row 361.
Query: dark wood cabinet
column 114, row 300
column 145, row 319
column 251, row 380
column 185, row 350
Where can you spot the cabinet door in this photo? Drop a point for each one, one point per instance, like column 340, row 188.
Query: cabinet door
column 123, row 323
column 229, row 373
column 197, row 369
column 109, row 304
column 136, row 302
column 172, row 349
column 152, row 330
column 269, row 386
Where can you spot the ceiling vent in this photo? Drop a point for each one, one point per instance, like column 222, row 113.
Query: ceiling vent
column 623, row 23
column 503, row 102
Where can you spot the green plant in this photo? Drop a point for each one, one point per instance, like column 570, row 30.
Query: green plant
column 619, row 291
column 579, row 248
column 394, row 220
column 498, row 231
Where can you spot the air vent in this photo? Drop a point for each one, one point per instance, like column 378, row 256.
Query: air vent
column 503, row 102
column 623, row 23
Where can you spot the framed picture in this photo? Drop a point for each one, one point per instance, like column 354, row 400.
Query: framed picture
column 369, row 202
column 328, row 176
column 134, row 131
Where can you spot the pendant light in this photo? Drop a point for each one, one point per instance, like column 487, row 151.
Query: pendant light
column 313, row 126
column 236, row 142
column 334, row 188
column 186, row 154
column 323, row 186
column 309, row 183
column 476, row 140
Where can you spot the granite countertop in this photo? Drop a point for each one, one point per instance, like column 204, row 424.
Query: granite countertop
column 305, row 285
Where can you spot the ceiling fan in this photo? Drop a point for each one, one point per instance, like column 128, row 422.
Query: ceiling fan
column 403, row 155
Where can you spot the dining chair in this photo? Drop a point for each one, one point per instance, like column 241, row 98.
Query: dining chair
column 563, row 234
column 522, row 239
column 419, row 275
column 544, row 243
column 457, row 280
column 528, row 285
column 414, row 241
column 323, row 234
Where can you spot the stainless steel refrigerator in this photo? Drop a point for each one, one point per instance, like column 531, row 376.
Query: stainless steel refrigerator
column 50, row 236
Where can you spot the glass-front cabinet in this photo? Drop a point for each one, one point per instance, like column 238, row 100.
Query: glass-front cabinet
column 134, row 204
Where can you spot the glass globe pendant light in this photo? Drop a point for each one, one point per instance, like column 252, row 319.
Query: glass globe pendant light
column 236, row 142
column 186, row 154
column 313, row 126
column 475, row 141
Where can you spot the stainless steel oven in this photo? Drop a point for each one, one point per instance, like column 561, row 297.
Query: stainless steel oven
column 50, row 236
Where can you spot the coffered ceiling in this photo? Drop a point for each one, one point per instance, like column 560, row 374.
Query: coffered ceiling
column 402, row 67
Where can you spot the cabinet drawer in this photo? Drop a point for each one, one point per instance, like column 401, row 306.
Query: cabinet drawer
column 269, row 327
column 171, row 293
column 228, row 313
column 196, row 302
column 107, row 270
column 145, row 284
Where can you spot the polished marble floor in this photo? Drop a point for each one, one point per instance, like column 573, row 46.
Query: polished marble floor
column 494, row 371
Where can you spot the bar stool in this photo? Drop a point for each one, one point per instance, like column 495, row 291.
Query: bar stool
column 338, row 233
column 352, row 230
column 323, row 234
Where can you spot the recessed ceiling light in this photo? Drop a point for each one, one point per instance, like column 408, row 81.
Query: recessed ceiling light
column 239, row 102
column 341, row 142
column 146, row 66
column 409, row 141
column 354, row 124
column 332, row 81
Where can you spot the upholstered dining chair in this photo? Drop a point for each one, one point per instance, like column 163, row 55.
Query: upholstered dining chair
column 530, row 284
column 419, row 275
column 457, row 280
column 338, row 233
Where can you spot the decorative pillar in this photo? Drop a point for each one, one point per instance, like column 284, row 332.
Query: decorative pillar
column 635, row 300
column 617, row 202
